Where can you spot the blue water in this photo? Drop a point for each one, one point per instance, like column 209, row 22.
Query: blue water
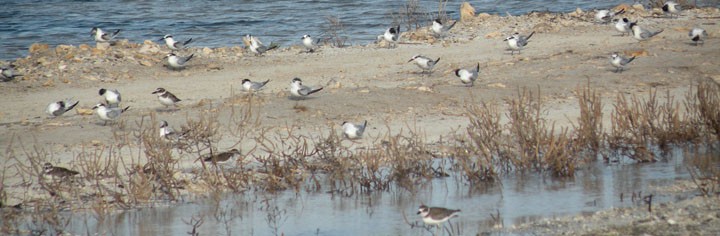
column 223, row 23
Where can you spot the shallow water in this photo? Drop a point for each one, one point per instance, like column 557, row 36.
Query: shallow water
column 518, row 199
column 222, row 23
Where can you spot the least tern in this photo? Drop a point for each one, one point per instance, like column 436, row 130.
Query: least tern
column 112, row 97
column 257, row 47
column 391, row 35
column 309, row 43
column 100, row 36
column 438, row 28
column 623, row 26
column 352, row 131
column 698, row 35
column 108, row 113
column 425, row 63
column 59, row 108
column 468, row 76
column 672, row 8
column 175, row 45
column 176, row 62
column 642, row 34
column 605, row 16
column 619, row 62
column 7, row 73
column 516, row 42
column 299, row 90
column 251, row 86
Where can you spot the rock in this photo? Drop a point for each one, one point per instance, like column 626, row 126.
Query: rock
column 484, row 16
column 544, row 27
column 496, row 85
column 638, row 53
column 145, row 63
column 467, row 11
column 622, row 6
column 149, row 48
column 207, row 51
column 84, row 47
column 38, row 48
column 64, row 49
column 638, row 7
column 493, row 35
column 102, row 45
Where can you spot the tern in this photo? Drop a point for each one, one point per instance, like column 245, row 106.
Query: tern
column 619, row 62
column 352, row 131
column 297, row 88
column 391, row 35
column 698, row 35
column 468, row 76
column 425, row 63
column 8, row 73
column 59, row 108
column 100, row 36
column 438, row 28
column 672, row 8
column 251, row 86
column 108, row 113
column 175, row 45
column 176, row 62
column 642, row 34
column 112, row 97
column 605, row 16
column 309, row 44
column 257, row 47
column 623, row 26
column 516, row 42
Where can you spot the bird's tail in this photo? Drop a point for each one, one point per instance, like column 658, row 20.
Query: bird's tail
column 436, row 61
column 187, row 42
column 315, row 90
column 531, row 34
column 72, row 106
column 265, row 82
column 190, row 57
column 477, row 68
column 115, row 33
column 126, row 108
column 621, row 11
column 450, row 26
column 631, row 59
column 656, row 33
column 272, row 46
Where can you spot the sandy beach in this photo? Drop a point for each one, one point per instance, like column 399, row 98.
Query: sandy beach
column 362, row 82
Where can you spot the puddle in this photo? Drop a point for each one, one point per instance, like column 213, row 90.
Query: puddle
column 518, row 199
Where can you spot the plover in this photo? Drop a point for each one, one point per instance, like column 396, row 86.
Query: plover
column 222, row 157
column 436, row 215
column 166, row 97
column 56, row 172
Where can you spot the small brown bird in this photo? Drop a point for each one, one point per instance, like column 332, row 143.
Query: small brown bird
column 222, row 157
column 436, row 215
column 166, row 97
column 55, row 172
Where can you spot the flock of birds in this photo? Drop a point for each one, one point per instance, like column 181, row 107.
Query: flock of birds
column 111, row 110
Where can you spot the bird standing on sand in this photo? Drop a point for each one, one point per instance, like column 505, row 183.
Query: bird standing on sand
column 176, row 62
column 623, row 26
column 517, row 42
column 297, row 89
column 257, row 47
column 468, row 76
column 672, row 8
column 222, row 157
column 619, row 62
column 309, row 44
column 100, row 36
column 166, row 97
column 438, row 28
column 175, row 45
column 108, row 113
column 112, row 96
column 605, row 16
column 8, row 73
column 59, row 108
column 391, row 35
column 698, row 35
column 251, row 86
column 425, row 63
column 352, row 131
column 56, row 172
column 642, row 34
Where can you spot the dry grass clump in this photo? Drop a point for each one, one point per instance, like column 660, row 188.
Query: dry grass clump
column 589, row 129
column 705, row 171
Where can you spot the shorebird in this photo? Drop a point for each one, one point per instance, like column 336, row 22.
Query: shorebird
column 619, row 62
column 56, row 172
column 642, row 34
column 353, row 131
column 251, row 86
column 257, row 47
column 391, row 35
column 169, row 133
column 59, row 108
column 672, row 8
column 166, row 97
column 175, row 45
column 108, row 113
column 112, row 97
column 222, row 157
column 100, row 36
column 516, row 42
column 425, row 63
column 309, row 44
column 297, row 88
column 468, row 76
column 604, row 16
column 438, row 28
column 8, row 73
column 436, row 215
column 698, row 35
column 623, row 26
column 176, row 62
